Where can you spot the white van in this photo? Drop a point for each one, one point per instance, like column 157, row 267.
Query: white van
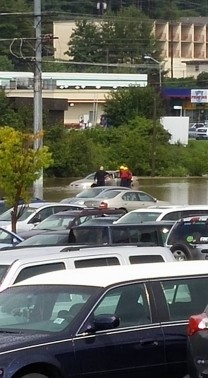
column 16, row 265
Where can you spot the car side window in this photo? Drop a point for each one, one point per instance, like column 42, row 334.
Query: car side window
column 145, row 197
column 42, row 214
column 185, row 297
column 34, row 270
column 173, row 215
column 129, row 303
column 93, row 262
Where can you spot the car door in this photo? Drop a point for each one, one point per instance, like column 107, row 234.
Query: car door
column 134, row 349
column 183, row 297
column 131, row 201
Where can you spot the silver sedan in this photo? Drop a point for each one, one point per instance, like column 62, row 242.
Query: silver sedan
column 123, row 199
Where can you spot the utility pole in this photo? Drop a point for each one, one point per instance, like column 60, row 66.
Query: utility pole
column 154, row 134
column 37, row 117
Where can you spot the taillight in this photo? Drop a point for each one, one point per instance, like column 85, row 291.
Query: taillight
column 103, row 205
column 197, row 323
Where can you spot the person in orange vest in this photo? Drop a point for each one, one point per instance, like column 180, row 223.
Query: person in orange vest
column 124, row 175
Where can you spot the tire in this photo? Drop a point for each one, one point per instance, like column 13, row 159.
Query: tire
column 122, row 208
column 34, row 375
column 181, row 252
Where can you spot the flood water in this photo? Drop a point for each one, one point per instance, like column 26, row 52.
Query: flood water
column 176, row 191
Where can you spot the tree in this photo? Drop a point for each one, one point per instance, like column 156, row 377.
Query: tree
column 20, row 166
column 85, row 43
column 202, row 80
column 125, row 104
column 13, row 27
column 124, row 38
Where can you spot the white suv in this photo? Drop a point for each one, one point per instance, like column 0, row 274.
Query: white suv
column 162, row 213
column 18, row 265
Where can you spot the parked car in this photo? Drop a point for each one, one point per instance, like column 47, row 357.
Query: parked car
column 162, row 213
column 117, row 321
column 64, row 220
column 9, row 238
column 33, row 213
column 193, row 129
column 87, row 181
column 18, row 265
column 91, row 193
column 154, row 233
column 197, row 345
column 123, row 199
column 202, row 133
column 188, row 238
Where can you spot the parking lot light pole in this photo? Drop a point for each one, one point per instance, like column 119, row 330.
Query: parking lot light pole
column 148, row 57
column 154, row 134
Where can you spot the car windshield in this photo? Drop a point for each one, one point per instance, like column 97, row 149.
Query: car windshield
column 45, row 239
column 190, row 232
column 139, row 217
column 109, row 194
column 89, row 193
column 24, row 211
column 42, row 308
column 55, row 222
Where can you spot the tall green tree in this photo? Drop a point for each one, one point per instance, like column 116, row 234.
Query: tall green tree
column 122, row 38
column 123, row 105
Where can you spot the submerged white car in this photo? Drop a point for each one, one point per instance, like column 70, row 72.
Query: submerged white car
column 87, row 181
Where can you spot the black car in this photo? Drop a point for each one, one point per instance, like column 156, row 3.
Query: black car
column 152, row 233
column 188, row 238
column 198, row 345
column 103, row 232
column 109, row 322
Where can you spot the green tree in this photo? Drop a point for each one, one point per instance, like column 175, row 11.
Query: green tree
column 122, row 38
column 123, row 105
column 202, row 80
column 85, row 43
column 13, row 27
column 20, row 166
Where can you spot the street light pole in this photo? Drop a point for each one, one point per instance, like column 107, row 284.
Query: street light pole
column 148, row 57
column 154, row 133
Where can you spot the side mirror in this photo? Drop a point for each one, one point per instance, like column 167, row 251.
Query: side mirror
column 103, row 322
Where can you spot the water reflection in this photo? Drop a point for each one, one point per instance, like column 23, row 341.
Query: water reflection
column 177, row 191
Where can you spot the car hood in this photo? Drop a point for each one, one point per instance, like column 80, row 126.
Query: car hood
column 12, row 341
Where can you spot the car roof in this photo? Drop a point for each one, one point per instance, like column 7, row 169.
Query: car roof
column 105, row 276
column 167, row 209
column 88, row 211
column 9, row 257
column 124, row 225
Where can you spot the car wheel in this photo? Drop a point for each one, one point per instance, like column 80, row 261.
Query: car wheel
column 122, row 208
column 34, row 375
column 181, row 252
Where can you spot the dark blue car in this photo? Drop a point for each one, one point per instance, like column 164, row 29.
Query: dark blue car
column 108, row 322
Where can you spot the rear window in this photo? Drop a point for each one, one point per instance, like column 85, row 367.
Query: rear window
column 196, row 232
column 103, row 261
column 139, row 217
column 145, row 259
column 134, row 235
